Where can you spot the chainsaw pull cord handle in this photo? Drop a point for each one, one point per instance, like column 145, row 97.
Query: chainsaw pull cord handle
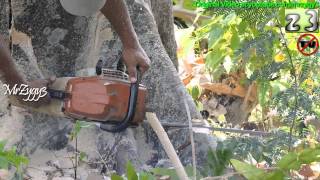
column 133, row 97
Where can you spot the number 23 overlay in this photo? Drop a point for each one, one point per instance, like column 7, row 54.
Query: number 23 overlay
column 302, row 20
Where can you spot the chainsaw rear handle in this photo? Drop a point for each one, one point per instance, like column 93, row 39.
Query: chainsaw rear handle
column 125, row 123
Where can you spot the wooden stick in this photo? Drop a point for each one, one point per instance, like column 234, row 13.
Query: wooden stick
column 194, row 162
column 167, row 145
column 246, row 98
column 231, row 130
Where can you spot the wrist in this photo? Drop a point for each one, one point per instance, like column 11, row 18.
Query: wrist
column 131, row 43
column 12, row 78
column 131, row 46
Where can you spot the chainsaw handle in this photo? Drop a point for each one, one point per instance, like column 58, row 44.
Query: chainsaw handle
column 133, row 97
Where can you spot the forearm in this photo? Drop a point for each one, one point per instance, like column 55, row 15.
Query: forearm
column 133, row 55
column 117, row 13
column 8, row 72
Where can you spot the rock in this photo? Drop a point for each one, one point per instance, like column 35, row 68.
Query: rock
column 213, row 107
column 220, row 110
column 64, row 178
column 212, row 103
column 93, row 176
column 164, row 163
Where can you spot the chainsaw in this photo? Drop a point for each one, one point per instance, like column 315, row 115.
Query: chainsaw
column 108, row 99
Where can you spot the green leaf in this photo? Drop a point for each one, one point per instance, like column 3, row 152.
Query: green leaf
column 235, row 41
column 4, row 164
column 222, row 118
column 131, row 172
column 305, row 71
column 308, row 156
column 189, row 5
column 116, row 177
column 83, row 155
column 277, row 87
column 214, row 58
column 2, row 145
column 263, row 89
column 172, row 172
column 10, row 158
column 278, row 174
column 165, row 172
column 255, row 31
column 218, row 160
column 215, row 35
column 289, row 161
column 228, row 20
column 242, row 28
column 199, row 106
column 146, row 176
column 189, row 171
column 195, row 92
column 282, row 17
column 77, row 128
column 247, row 170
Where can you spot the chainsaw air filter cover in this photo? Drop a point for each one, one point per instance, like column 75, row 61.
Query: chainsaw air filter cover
column 102, row 98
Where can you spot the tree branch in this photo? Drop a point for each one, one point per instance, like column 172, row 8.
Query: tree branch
column 187, row 14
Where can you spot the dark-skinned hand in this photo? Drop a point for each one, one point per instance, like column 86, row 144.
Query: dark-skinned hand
column 133, row 58
column 39, row 83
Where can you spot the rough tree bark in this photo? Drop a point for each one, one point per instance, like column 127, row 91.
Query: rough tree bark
column 47, row 41
column 162, row 12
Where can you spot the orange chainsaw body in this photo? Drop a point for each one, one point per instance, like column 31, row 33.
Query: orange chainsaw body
column 102, row 99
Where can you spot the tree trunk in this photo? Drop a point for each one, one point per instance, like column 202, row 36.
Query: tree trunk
column 4, row 14
column 46, row 41
column 162, row 12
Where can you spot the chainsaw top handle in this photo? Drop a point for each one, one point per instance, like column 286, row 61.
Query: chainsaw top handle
column 125, row 123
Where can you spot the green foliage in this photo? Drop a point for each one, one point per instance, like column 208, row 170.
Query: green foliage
column 247, row 170
column 218, row 160
column 291, row 161
column 188, row 4
column 133, row 175
column 11, row 158
column 234, row 45
column 77, row 128
column 305, row 70
column 172, row 172
column 165, row 172
column 82, row 156
column 269, row 149
column 287, row 81
column 263, row 87
column 116, row 177
column 131, row 172
column 236, row 41
column 195, row 93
